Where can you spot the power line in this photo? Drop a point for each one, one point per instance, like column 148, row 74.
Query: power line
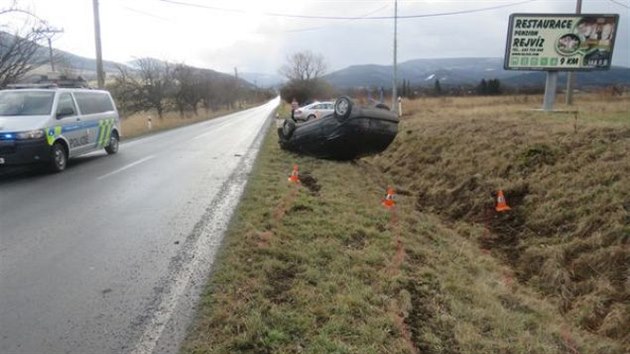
column 323, row 27
column 144, row 13
column 462, row 12
column 313, row 17
column 620, row 4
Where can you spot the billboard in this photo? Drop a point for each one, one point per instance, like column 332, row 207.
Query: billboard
column 562, row 42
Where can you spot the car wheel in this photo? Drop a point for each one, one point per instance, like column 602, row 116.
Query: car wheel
column 343, row 107
column 287, row 129
column 112, row 147
column 58, row 157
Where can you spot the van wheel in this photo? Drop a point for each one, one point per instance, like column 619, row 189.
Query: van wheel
column 112, row 147
column 58, row 157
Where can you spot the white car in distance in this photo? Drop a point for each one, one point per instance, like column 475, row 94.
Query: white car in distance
column 313, row 110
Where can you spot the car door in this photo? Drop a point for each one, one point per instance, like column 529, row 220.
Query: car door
column 72, row 127
column 315, row 110
column 98, row 113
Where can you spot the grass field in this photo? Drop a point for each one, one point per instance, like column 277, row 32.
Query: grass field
column 137, row 124
column 324, row 268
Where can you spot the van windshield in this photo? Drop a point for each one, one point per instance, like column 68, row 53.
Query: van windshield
column 25, row 103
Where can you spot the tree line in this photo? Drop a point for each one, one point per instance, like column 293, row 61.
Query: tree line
column 484, row 88
column 147, row 84
column 162, row 86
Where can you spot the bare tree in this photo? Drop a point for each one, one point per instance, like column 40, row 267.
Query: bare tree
column 189, row 87
column 304, row 66
column 12, row 6
column 209, row 94
column 157, row 82
column 128, row 91
column 63, row 65
column 19, row 49
column 304, row 71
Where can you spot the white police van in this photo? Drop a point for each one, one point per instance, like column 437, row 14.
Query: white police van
column 47, row 124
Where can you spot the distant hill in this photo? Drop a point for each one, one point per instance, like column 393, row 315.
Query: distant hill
column 216, row 75
column 86, row 67
column 461, row 71
column 262, row 80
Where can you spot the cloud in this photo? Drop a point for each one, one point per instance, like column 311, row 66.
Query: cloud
column 253, row 41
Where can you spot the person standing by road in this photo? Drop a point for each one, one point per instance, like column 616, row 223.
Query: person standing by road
column 294, row 106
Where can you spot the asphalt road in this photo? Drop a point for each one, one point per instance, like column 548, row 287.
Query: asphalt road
column 110, row 255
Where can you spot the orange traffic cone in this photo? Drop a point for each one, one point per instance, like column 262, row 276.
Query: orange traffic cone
column 294, row 175
column 389, row 202
column 501, row 203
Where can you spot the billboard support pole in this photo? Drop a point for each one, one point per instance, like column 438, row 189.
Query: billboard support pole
column 100, row 77
column 551, row 86
column 571, row 74
column 395, row 73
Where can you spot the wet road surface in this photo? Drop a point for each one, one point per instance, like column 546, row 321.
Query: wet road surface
column 110, row 255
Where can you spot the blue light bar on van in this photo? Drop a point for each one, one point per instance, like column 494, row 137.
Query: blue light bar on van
column 28, row 135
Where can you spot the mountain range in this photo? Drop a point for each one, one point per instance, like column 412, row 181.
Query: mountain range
column 86, row 67
column 463, row 71
column 419, row 72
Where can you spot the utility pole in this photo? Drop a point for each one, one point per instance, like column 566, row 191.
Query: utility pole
column 236, row 86
column 395, row 79
column 50, row 33
column 571, row 74
column 97, row 39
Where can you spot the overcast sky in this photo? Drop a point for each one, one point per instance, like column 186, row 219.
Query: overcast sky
column 244, row 34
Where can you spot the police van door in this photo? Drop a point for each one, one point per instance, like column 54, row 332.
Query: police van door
column 96, row 108
column 72, row 128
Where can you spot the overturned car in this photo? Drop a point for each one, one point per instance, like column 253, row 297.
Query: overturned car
column 348, row 133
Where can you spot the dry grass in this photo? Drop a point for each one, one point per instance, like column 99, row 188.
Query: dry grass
column 137, row 124
column 324, row 268
column 567, row 180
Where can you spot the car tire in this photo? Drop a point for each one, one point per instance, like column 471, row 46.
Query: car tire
column 343, row 107
column 113, row 145
column 287, row 129
column 58, row 157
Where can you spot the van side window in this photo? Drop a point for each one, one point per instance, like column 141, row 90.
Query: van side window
column 65, row 106
column 94, row 102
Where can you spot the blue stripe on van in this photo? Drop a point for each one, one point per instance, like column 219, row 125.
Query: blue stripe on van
column 78, row 126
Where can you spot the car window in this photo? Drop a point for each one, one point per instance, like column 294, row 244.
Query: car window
column 94, row 102
column 317, row 106
column 25, row 103
column 65, row 102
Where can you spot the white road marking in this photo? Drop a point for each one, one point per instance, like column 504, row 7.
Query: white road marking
column 127, row 166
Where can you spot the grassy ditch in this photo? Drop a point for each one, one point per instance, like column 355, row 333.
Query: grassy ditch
column 324, row 268
column 566, row 176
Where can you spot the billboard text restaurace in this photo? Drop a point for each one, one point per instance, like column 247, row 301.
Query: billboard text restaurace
column 560, row 42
